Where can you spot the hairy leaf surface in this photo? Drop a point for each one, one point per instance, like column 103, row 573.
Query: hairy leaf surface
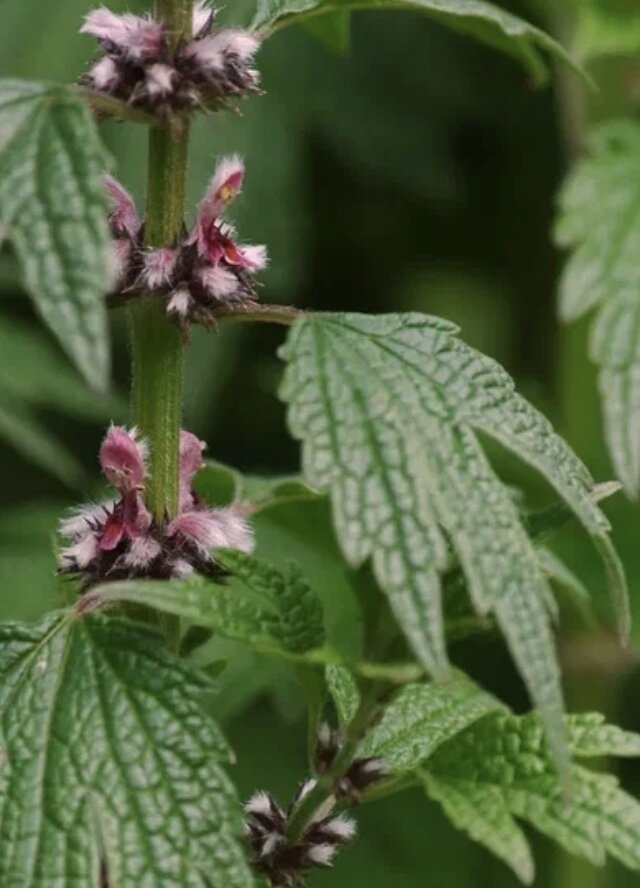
column 109, row 757
column 499, row 769
column 477, row 18
column 424, row 716
column 388, row 408
column 53, row 209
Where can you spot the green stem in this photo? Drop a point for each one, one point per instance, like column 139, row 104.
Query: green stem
column 156, row 342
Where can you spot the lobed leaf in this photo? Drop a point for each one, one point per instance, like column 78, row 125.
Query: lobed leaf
column 500, row 768
column 483, row 20
column 110, row 759
column 53, row 209
column 599, row 220
column 424, row 716
column 388, row 409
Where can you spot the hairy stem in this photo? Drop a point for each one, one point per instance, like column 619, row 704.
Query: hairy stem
column 156, row 342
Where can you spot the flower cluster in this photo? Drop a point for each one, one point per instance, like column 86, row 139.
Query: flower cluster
column 203, row 274
column 283, row 861
column 140, row 65
column 121, row 540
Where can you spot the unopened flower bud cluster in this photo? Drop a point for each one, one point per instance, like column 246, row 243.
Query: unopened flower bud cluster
column 140, row 64
column 286, row 860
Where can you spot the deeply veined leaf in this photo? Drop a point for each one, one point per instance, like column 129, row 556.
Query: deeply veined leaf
column 110, row 760
column 53, row 209
column 483, row 20
column 599, row 219
column 344, row 692
column 500, row 768
column 271, row 610
column 424, row 716
column 388, row 408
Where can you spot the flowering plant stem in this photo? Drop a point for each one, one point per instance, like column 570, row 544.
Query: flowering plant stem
column 156, row 342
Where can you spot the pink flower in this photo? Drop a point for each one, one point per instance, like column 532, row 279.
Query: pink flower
column 159, row 266
column 122, row 457
column 191, row 461
column 215, row 50
column 212, row 529
column 123, row 216
column 203, row 17
column 225, row 185
column 136, row 37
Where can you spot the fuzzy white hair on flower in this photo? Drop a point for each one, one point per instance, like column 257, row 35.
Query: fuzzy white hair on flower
column 259, row 803
column 160, row 79
column 322, row 855
column 220, row 282
column 179, row 303
column 272, row 842
column 255, row 256
column 135, row 36
column 340, row 828
column 84, row 520
column 105, row 74
column 213, row 52
column 81, row 553
column 159, row 266
column 203, row 16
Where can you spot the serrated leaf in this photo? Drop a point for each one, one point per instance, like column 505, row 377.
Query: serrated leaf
column 272, row 610
column 599, row 219
column 424, row 716
column 480, row 811
column 109, row 756
column 344, row 692
column 388, row 408
column 477, row 18
column 507, row 755
column 53, row 209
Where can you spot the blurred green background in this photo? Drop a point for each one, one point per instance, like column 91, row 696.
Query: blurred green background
column 413, row 170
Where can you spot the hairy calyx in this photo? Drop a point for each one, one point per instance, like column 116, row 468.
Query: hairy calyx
column 121, row 540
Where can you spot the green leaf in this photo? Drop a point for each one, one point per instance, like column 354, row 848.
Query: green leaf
column 482, row 20
column 272, row 610
column 109, row 756
column 500, row 768
column 599, row 219
column 388, row 408
column 344, row 692
column 301, row 530
column 20, row 428
column 333, row 29
column 424, row 716
column 607, row 27
column 220, row 484
column 479, row 810
column 53, row 208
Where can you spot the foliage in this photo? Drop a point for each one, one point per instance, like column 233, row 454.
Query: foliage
column 399, row 537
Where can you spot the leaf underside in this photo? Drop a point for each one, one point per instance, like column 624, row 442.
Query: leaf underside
column 53, row 209
column 599, row 220
column 109, row 759
column 388, row 409
column 476, row 18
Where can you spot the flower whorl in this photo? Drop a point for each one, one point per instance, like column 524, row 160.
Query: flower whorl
column 139, row 64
